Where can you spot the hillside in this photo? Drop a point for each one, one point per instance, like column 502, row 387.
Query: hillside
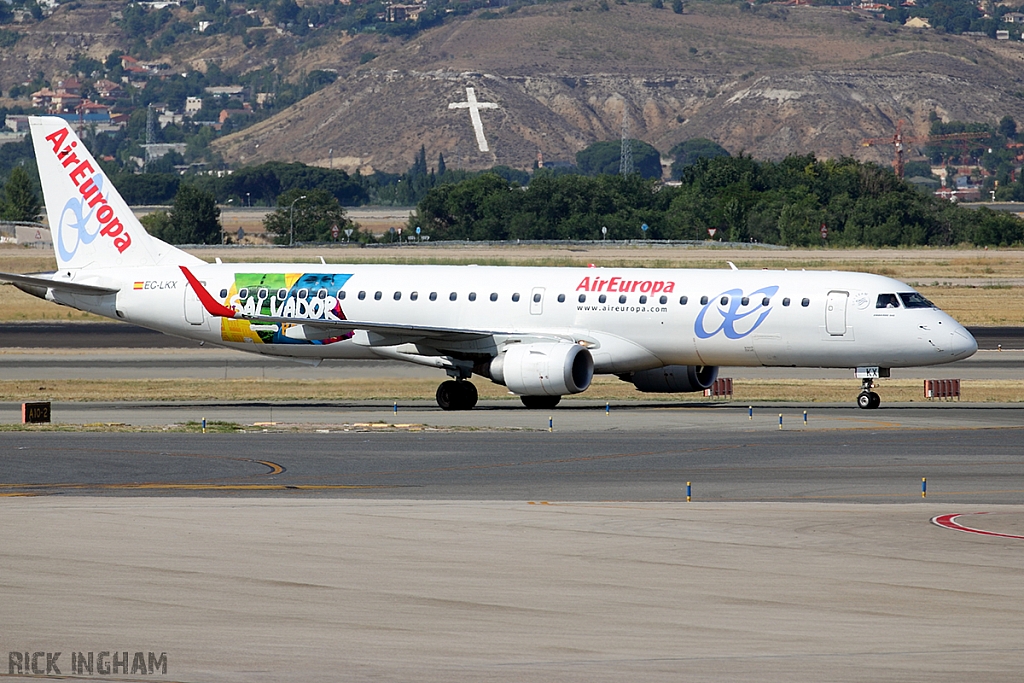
column 769, row 81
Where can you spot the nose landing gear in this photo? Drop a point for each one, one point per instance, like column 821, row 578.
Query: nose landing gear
column 868, row 399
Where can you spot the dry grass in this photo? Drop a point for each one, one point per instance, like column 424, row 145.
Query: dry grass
column 977, row 287
column 603, row 389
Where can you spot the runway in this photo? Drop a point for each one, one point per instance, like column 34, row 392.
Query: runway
column 832, row 463
column 341, row 541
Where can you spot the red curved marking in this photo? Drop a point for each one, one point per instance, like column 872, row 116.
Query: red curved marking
column 949, row 522
column 209, row 303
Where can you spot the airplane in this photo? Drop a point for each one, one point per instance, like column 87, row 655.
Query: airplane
column 541, row 332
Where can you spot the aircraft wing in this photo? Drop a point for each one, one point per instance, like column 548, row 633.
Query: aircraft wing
column 60, row 285
column 391, row 330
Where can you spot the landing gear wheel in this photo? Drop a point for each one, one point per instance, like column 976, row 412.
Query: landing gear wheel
column 539, row 402
column 452, row 395
column 868, row 400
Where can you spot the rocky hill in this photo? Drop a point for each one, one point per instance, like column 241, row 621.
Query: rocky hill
column 769, row 81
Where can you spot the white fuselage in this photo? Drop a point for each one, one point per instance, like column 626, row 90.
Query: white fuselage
column 629, row 319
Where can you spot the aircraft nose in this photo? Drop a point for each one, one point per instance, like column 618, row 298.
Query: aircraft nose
column 964, row 343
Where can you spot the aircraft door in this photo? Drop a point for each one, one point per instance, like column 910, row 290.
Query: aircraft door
column 835, row 313
column 537, row 301
column 193, row 307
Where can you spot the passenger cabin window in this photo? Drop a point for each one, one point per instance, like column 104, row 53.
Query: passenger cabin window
column 453, row 296
column 494, row 296
column 703, row 301
column 765, row 301
column 341, row 294
column 724, row 301
column 243, row 293
column 377, row 296
column 320, row 294
column 224, row 294
column 583, row 298
column 887, row 301
column 785, row 302
column 398, row 295
column 643, row 299
column 602, row 298
column 413, row 296
column 472, row 296
column 663, row 299
column 536, row 298
column 302, row 293
column 263, row 293
column 515, row 297
column 433, row 296
column 622, row 298
column 561, row 298
column 282, row 294
column 915, row 300
column 362, row 295
column 805, row 302
column 745, row 301
column 683, row 300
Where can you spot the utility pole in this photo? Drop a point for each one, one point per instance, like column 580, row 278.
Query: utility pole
column 626, row 152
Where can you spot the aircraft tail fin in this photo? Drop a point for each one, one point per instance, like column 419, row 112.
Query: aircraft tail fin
column 91, row 225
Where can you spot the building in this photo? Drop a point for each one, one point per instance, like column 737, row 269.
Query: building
column 917, row 22
column 108, row 90
column 193, row 105
column 1013, row 18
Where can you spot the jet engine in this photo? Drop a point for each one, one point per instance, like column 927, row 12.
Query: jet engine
column 543, row 369
column 674, row 378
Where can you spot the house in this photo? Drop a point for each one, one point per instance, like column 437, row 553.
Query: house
column 17, row 123
column 108, row 90
column 1002, row 35
column 917, row 22
column 238, row 91
column 193, row 105
column 1013, row 18
column 226, row 114
column 404, row 12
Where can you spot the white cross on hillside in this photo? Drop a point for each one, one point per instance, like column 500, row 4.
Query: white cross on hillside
column 474, row 108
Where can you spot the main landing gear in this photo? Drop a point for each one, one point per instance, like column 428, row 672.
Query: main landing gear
column 868, row 400
column 456, row 395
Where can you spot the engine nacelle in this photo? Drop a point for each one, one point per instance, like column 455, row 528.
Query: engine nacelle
column 544, row 369
column 673, row 379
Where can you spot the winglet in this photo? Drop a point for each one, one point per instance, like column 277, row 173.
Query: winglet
column 209, row 303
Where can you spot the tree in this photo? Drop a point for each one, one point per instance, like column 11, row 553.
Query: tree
column 194, row 218
column 603, row 158
column 19, row 201
column 314, row 217
column 1008, row 127
column 688, row 151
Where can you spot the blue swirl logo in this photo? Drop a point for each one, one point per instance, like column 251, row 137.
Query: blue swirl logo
column 74, row 221
column 732, row 321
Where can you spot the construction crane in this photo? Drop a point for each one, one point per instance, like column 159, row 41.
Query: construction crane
column 898, row 141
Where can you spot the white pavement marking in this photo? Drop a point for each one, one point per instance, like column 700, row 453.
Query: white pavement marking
column 474, row 115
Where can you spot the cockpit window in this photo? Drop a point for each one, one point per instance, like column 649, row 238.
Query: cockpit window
column 887, row 301
column 915, row 300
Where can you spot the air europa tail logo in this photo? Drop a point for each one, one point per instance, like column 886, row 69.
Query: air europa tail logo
column 74, row 227
column 618, row 284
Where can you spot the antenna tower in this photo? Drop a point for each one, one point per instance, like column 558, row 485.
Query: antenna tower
column 626, row 153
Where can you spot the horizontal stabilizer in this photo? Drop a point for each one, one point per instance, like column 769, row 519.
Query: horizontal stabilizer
column 58, row 285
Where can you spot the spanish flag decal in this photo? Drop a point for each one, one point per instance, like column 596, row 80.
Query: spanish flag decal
column 138, row 285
